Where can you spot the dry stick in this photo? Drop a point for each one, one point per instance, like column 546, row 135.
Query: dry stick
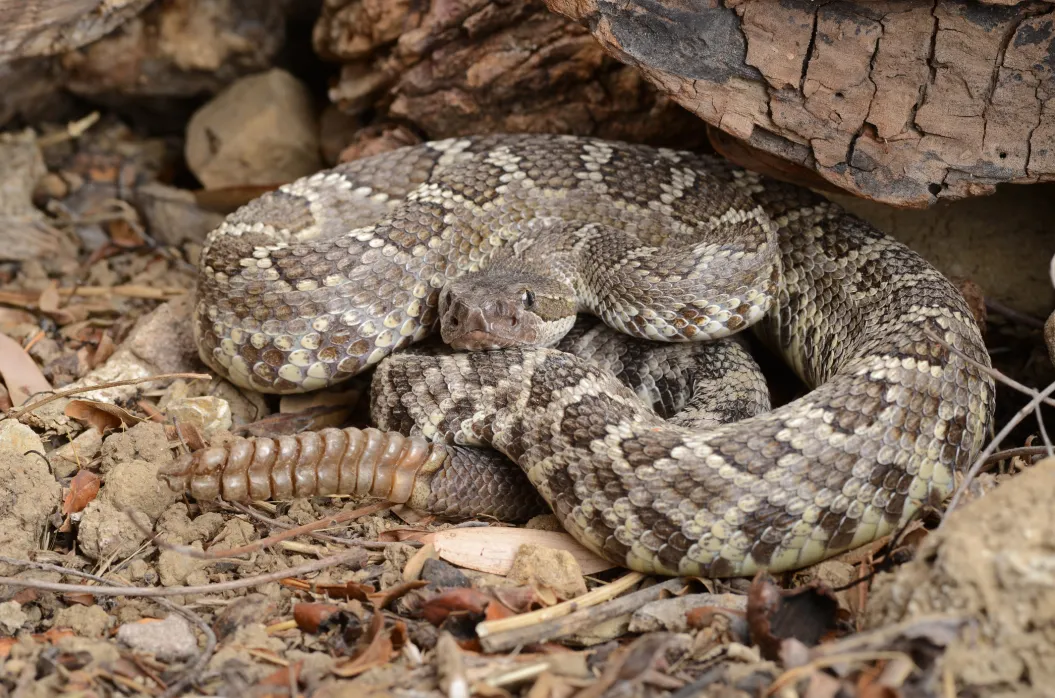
column 586, row 618
column 366, row 544
column 154, row 592
column 591, row 598
column 1043, row 430
column 210, row 637
column 258, row 545
column 1020, row 452
column 993, row 445
column 16, row 414
column 1006, row 311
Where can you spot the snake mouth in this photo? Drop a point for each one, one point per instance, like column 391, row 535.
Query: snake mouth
column 480, row 340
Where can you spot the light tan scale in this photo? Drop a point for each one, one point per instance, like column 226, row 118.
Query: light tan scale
column 333, row 274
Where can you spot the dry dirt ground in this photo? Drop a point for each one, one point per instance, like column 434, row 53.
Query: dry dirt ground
column 333, row 596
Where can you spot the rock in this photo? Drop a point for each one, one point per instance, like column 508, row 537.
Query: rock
column 260, row 130
column 176, row 568
column 991, row 564
column 67, row 459
column 12, row 617
column 135, row 485
column 443, row 574
column 145, row 441
column 105, row 530
column 86, row 621
column 28, row 492
column 548, row 568
column 208, row 414
column 669, row 614
column 24, row 231
column 173, row 216
column 170, row 640
column 17, row 439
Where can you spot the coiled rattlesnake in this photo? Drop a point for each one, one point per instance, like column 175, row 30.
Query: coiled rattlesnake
column 327, row 276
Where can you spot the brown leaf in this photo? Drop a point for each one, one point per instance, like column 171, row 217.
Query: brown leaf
column 381, row 599
column 459, row 600
column 348, row 590
column 20, row 372
column 379, row 651
column 101, row 415
column 310, row 616
column 282, row 678
column 83, row 488
column 124, row 234
column 805, row 614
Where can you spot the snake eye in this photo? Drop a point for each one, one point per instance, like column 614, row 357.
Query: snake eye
column 528, row 298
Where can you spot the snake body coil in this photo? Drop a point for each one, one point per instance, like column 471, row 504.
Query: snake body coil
column 329, row 275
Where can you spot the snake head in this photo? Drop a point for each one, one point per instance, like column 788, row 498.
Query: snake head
column 500, row 309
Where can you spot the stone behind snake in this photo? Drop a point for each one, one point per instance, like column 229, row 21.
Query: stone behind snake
column 329, row 275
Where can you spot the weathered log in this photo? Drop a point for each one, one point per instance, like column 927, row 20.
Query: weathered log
column 474, row 66
column 899, row 101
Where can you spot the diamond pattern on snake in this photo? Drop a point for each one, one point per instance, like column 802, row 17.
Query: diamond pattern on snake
column 590, row 294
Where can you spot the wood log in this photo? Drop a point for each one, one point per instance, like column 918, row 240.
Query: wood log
column 899, row 101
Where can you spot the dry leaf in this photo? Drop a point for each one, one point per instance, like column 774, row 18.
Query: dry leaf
column 493, row 548
column 83, row 488
column 20, row 372
column 101, row 415
column 380, row 650
column 310, row 616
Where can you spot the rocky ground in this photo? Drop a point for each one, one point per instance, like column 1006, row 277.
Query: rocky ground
column 112, row 583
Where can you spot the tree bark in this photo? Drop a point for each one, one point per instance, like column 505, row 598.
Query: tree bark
column 455, row 67
column 900, row 101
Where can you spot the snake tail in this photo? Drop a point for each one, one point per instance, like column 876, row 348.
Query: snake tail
column 432, row 477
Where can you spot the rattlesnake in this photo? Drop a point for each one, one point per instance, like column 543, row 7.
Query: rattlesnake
column 334, row 273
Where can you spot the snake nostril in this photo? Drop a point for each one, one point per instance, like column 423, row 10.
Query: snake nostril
column 513, row 322
column 454, row 322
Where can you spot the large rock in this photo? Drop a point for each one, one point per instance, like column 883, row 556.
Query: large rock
column 991, row 563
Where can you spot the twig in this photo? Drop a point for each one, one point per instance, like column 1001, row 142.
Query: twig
column 1008, row 312
column 1020, row 452
column 366, row 544
column 258, row 545
column 979, row 463
column 154, row 592
column 200, row 661
column 591, row 598
column 74, row 129
column 586, row 618
column 104, row 386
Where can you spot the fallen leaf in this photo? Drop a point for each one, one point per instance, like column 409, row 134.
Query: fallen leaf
column 20, row 372
column 380, row 648
column 83, row 488
column 805, row 614
column 104, row 416
column 311, row 616
column 493, row 548
column 348, row 590
column 281, row 679
column 460, row 600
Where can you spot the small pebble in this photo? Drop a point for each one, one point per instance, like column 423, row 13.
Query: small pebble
column 171, row 639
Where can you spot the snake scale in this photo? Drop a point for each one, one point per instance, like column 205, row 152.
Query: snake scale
column 333, row 274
